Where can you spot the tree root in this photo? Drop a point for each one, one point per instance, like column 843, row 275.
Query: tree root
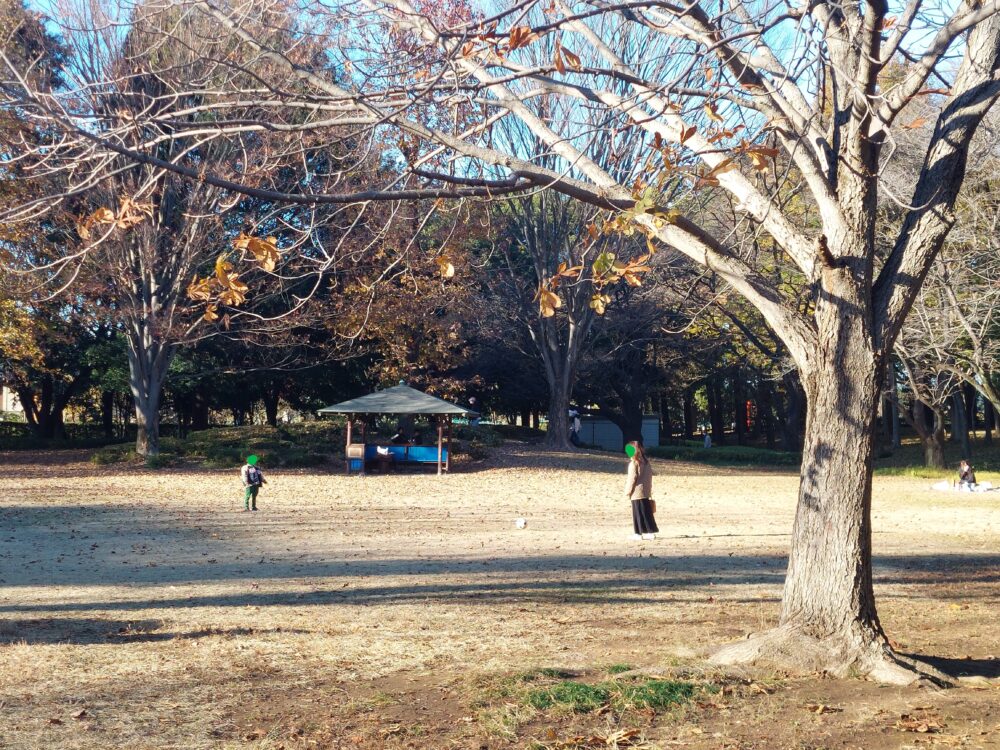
column 857, row 654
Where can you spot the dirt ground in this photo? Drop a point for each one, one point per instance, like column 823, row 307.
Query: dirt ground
column 142, row 609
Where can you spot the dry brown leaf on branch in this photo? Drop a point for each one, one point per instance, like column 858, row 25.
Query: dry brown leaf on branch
column 917, row 123
column 712, row 113
column 200, row 289
column 686, row 133
column 132, row 214
column 557, row 59
column 520, row 36
column 599, row 303
column 264, row 251
column 573, row 60
column 761, row 157
column 548, row 302
column 445, row 266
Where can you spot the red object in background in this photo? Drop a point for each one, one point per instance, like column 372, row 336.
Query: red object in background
column 751, row 413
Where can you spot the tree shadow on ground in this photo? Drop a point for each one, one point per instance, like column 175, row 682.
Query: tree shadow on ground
column 96, row 630
column 989, row 668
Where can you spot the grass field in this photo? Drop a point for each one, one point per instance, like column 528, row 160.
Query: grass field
column 140, row 608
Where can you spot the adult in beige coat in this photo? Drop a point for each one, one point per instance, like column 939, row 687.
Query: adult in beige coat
column 639, row 490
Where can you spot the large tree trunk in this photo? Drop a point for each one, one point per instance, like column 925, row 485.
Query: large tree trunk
column 147, row 363
column 791, row 413
column 739, row 407
column 929, row 425
column 666, row 426
column 715, row 411
column 960, row 425
column 557, row 433
column 629, row 420
column 765, row 411
column 108, row 413
column 271, row 398
column 828, row 620
column 43, row 409
column 690, row 420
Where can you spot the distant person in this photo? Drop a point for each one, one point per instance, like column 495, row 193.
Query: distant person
column 708, row 439
column 574, row 427
column 639, row 489
column 966, row 476
column 474, row 407
column 253, row 479
column 405, row 431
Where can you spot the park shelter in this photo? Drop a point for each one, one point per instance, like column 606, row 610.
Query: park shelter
column 399, row 400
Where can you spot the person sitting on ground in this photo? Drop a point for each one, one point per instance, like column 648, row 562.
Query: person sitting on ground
column 966, row 476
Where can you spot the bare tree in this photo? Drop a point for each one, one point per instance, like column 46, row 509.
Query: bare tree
column 721, row 95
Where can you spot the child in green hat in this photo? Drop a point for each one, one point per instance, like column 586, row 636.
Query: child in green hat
column 252, row 478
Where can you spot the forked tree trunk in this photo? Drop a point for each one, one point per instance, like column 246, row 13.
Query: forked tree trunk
column 148, row 362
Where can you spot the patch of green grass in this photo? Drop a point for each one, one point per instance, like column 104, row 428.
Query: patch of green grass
column 578, row 697
column 653, row 694
column 621, row 695
column 918, row 472
column 726, row 455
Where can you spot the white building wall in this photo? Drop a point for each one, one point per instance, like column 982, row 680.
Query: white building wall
column 9, row 400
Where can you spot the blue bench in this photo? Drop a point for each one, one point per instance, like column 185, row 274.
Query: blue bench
column 402, row 454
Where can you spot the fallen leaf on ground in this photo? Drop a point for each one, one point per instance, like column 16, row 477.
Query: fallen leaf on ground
column 908, row 723
column 821, row 708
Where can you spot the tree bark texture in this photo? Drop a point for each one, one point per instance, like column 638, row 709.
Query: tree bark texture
column 148, row 361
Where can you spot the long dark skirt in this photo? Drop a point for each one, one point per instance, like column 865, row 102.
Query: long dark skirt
column 642, row 517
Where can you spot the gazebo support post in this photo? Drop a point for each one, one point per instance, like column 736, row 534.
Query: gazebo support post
column 440, row 422
column 447, row 460
column 347, row 447
column 364, row 443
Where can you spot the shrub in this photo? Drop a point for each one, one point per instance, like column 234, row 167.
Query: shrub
column 518, row 432
column 726, row 454
column 113, row 454
column 160, row 460
column 477, row 451
column 301, row 458
column 484, row 434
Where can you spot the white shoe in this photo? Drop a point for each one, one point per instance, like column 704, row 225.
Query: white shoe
column 649, row 536
column 637, row 537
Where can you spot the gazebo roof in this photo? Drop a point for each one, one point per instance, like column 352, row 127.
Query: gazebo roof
column 400, row 399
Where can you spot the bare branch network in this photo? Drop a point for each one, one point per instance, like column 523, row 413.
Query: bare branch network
column 787, row 114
